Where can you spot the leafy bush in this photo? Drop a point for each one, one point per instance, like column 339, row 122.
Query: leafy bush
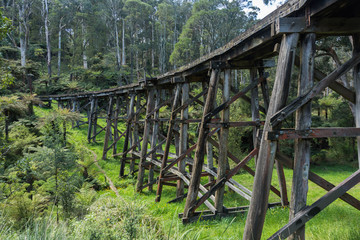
column 112, row 218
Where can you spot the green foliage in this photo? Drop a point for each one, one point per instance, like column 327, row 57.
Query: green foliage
column 211, row 25
column 5, row 25
column 22, row 208
column 111, row 218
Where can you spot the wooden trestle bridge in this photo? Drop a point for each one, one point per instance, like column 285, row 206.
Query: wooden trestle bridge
column 289, row 33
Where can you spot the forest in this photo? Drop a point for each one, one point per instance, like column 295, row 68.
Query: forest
column 53, row 184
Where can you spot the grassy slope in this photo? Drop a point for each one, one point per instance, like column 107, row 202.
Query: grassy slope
column 338, row 221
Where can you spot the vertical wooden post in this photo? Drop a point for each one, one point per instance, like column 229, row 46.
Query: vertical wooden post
column 78, row 110
column 137, row 118
column 116, row 122
column 149, row 108
column 200, row 148
column 168, row 141
column 135, row 133
column 302, row 122
column 154, row 139
column 127, row 135
column 356, row 74
column 131, row 124
column 95, row 113
column 259, row 200
column 210, row 159
column 90, row 118
column 73, row 109
column 183, row 137
column 224, row 134
column 255, row 114
column 108, row 127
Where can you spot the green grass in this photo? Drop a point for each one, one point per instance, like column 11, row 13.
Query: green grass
column 338, row 221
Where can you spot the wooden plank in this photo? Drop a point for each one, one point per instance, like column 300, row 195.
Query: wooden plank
column 311, row 211
column 286, row 134
column 200, row 148
column 224, row 135
column 141, row 173
column 280, row 115
column 264, row 167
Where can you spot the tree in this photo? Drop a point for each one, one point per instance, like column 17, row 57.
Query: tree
column 45, row 13
column 211, row 25
column 24, row 7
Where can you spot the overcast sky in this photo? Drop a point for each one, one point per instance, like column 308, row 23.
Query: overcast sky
column 265, row 9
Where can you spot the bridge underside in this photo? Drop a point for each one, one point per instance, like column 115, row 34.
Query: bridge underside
column 178, row 124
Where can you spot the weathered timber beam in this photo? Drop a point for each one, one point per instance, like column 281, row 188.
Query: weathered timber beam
column 302, row 122
column 233, row 99
column 246, row 168
column 168, row 141
column 311, row 211
column 320, row 26
column 266, row 156
column 161, row 105
column 231, row 209
column 190, row 101
column 200, row 149
column 221, row 182
column 336, row 86
column 280, row 115
column 185, row 177
column 285, row 134
column 235, row 124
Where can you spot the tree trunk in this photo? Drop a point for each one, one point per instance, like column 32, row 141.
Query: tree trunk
column 118, row 57
column 123, row 59
column 47, row 35
column 59, row 48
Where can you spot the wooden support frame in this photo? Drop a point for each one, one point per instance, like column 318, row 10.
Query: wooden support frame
column 256, row 216
column 108, row 126
column 183, row 134
column 302, row 122
column 149, row 108
column 168, row 142
column 200, row 149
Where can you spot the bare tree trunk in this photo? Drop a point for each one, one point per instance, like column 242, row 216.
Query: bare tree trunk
column 123, row 59
column 118, row 57
column 23, row 32
column 47, row 35
column 83, row 30
column 59, row 48
column 152, row 44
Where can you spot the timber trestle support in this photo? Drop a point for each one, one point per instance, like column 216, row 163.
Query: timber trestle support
column 175, row 129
